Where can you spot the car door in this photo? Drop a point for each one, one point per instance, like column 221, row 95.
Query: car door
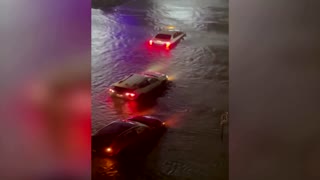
column 153, row 83
column 145, row 87
column 175, row 37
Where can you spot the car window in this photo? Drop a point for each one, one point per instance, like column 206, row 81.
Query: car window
column 140, row 130
column 121, row 90
column 176, row 34
column 131, row 133
column 147, row 121
column 144, row 84
column 152, row 80
column 163, row 36
column 126, row 137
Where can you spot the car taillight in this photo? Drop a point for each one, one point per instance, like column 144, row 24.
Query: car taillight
column 130, row 94
column 111, row 90
column 168, row 44
column 150, row 42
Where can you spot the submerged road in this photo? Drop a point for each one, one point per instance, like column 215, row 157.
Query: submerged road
column 192, row 105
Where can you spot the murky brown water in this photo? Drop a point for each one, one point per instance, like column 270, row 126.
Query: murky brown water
column 198, row 66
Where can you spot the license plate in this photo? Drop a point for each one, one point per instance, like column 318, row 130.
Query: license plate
column 119, row 95
column 158, row 42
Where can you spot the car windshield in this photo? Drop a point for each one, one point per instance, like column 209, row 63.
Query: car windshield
column 163, row 36
column 146, row 120
column 121, row 90
column 109, row 133
column 144, row 83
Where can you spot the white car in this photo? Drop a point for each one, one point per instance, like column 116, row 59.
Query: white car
column 135, row 85
column 167, row 38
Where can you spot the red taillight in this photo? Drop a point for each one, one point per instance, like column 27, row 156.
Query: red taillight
column 130, row 94
column 168, row 44
column 111, row 90
column 150, row 42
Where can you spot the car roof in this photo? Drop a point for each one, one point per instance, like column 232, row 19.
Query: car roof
column 146, row 120
column 132, row 81
column 115, row 128
column 152, row 74
column 171, row 32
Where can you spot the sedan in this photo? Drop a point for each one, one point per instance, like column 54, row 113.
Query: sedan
column 126, row 135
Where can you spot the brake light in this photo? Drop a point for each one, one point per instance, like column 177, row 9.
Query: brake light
column 111, row 90
column 130, row 94
column 168, row 44
column 150, row 42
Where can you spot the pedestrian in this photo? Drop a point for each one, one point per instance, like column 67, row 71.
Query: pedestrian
column 224, row 121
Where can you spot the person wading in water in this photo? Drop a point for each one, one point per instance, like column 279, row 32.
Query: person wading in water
column 224, row 120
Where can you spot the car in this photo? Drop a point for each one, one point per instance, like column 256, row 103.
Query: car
column 136, row 85
column 167, row 38
column 126, row 135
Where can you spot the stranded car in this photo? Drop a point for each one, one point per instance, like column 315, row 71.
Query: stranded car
column 126, row 135
column 135, row 85
column 167, row 38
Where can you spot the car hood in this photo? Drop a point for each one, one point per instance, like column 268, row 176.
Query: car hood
column 99, row 142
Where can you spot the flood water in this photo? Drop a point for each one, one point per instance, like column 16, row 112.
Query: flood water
column 192, row 104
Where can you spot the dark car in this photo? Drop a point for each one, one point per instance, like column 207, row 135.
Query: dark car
column 136, row 85
column 120, row 136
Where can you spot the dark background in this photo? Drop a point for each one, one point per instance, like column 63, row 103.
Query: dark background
column 274, row 90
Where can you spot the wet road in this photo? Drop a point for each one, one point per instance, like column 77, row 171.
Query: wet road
column 192, row 104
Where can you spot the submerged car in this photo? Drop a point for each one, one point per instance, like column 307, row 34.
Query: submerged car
column 152, row 122
column 136, row 85
column 167, row 38
column 126, row 135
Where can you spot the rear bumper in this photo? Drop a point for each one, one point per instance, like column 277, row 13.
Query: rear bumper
column 122, row 96
column 160, row 44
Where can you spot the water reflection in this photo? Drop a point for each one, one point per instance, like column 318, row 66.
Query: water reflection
column 120, row 47
column 126, row 108
column 121, row 168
